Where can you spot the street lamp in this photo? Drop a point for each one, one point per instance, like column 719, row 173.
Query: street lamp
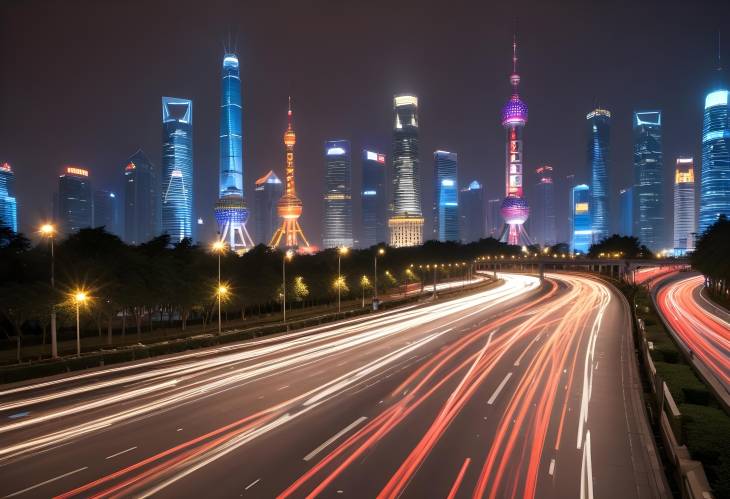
column 288, row 255
column 221, row 292
column 380, row 252
column 219, row 247
column 48, row 230
column 79, row 297
column 342, row 250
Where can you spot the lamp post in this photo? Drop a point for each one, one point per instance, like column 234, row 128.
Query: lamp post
column 288, row 255
column 48, row 230
column 222, row 291
column 80, row 298
column 342, row 250
column 380, row 252
column 219, row 247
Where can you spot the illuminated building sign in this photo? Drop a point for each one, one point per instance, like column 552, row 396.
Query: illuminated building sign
column 335, row 151
column 130, row 167
column 77, row 171
column 5, row 167
column 686, row 177
column 373, row 156
column 581, row 207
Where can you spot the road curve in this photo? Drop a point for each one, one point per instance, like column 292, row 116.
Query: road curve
column 518, row 391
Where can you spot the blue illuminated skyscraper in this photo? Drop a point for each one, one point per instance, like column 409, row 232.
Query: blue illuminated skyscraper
column 599, row 136
column 230, row 210
column 337, row 223
column 472, row 212
column 177, row 168
column 626, row 204
column 141, row 199
column 106, row 211
column 715, row 173
column 685, row 226
column 8, row 203
column 446, row 197
column 373, row 199
column 74, row 200
column 648, row 179
column 581, row 231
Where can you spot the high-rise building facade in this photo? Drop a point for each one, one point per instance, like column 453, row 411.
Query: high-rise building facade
column 231, row 212
column 684, row 206
column 406, row 220
column 373, row 199
column 582, row 228
column 74, row 200
column 648, row 179
column 8, row 202
column 105, row 211
column 599, row 137
column 515, row 209
column 141, row 199
column 472, row 212
column 289, row 207
column 495, row 224
column 542, row 225
column 715, row 173
column 267, row 193
column 446, row 197
column 626, row 203
column 337, row 220
column 177, row 168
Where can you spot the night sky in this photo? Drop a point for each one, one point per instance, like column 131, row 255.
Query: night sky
column 81, row 83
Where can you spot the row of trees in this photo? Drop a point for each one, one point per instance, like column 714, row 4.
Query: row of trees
column 712, row 258
column 158, row 282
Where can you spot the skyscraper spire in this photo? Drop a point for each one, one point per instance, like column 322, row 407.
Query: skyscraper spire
column 514, row 54
column 719, row 51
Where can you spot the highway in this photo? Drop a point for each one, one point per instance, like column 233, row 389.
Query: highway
column 699, row 325
column 522, row 390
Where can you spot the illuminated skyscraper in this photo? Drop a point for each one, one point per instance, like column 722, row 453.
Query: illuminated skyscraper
column 231, row 213
column 515, row 209
column 446, row 197
column 495, row 223
column 684, row 206
column 373, row 199
column 542, row 224
column 472, row 212
column 337, row 223
column 289, row 206
column 266, row 194
column 141, row 200
column 8, row 203
column 599, row 136
column 177, row 168
column 581, row 230
column 715, row 173
column 406, row 220
column 74, row 200
column 648, row 179
column 626, row 202
column 106, row 211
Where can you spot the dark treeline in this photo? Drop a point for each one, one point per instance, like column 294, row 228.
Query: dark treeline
column 712, row 258
column 624, row 246
column 157, row 283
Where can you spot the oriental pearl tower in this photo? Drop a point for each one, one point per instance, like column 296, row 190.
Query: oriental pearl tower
column 515, row 209
column 289, row 206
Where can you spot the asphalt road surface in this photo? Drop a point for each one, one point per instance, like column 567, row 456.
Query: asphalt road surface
column 523, row 390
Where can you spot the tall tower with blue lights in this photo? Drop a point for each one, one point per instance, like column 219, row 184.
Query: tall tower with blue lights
column 231, row 213
column 514, row 209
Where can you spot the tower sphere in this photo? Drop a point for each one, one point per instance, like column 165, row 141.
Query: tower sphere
column 514, row 112
column 514, row 210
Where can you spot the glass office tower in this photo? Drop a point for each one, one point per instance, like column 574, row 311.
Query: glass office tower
column 581, row 230
column 337, row 223
column 542, row 224
column 494, row 218
column 266, row 195
column 373, row 199
column 684, row 206
column 715, row 173
column 446, row 199
column 472, row 211
column 74, row 200
column 626, row 203
column 406, row 221
column 8, row 203
column 177, row 168
column 648, row 179
column 106, row 211
column 599, row 137
column 141, row 200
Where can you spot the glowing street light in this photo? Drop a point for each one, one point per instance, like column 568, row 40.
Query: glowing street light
column 288, row 255
column 79, row 298
column 49, row 231
column 380, row 252
column 219, row 247
column 341, row 251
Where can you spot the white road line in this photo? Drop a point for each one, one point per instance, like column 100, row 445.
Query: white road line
column 333, row 438
column 499, row 389
column 120, row 453
column 46, row 482
column 551, row 470
column 283, row 387
column 252, row 484
column 519, row 359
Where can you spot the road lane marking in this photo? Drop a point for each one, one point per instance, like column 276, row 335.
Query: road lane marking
column 179, row 429
column 499, row 389
column 334, row 437
column 46, row 482
column 459, row 478
column 282, row 387
column 252, row 484
column 120, row 453
column 519, row 359
column 552, row 467
column 19, row 415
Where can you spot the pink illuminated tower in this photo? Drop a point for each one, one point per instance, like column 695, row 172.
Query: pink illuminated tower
column 514, row 210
